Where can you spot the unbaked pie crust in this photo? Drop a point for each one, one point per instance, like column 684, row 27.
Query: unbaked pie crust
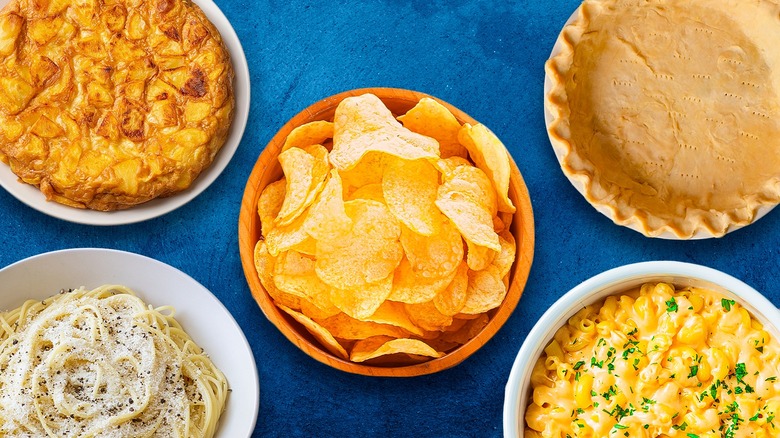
column 667, row 112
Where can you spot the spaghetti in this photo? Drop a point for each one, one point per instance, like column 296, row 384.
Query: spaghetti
column 102, row 362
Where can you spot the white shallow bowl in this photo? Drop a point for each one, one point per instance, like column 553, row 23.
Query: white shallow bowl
column 518, row 390
column 33, row 197
column 200, row 313
column 559, row 153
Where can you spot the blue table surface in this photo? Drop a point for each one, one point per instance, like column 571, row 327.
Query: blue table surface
column 485, row 57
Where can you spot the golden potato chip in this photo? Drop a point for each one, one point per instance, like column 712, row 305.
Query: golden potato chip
column 264, row 265
column 410, row 189
column 298, row 166
column 368, row 254
column 380, row 346
column 447, row 165
column 433, row 119
column 294, row 274
column 269, row 204
column 427, row 316
column 363, row 124
column 467, row 331
column 393, row 313
column 368, row 170
column 327, row 218
column 498, row 224
column 486, row 291
column 286, row 237
column 452, row 299
column 479, row 257
column 319, row 172
column 490, row 155
column 506, row 257
column 474, row 183
column 472, row 219
column 344, row 327
column 360, row 302
column 320, row 333
column 308, row 246
column 316, row 313
column 434, row 256
column 506, row 218
column 411, row 287
column 317, row 132
column 369, row 191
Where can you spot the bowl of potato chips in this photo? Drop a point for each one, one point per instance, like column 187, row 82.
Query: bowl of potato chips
column 385, row 232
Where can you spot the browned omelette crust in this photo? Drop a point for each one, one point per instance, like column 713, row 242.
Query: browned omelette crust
column 105, row 104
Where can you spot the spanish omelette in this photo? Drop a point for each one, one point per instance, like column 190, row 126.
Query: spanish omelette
column 105, row 104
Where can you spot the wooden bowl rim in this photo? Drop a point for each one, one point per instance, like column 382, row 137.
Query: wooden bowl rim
column 523, row 226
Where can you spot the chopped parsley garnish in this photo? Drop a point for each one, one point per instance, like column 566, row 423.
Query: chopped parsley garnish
column 740, row 371
column 579, row 365
column 671, row 305
column 726, row 304
column 694, row 370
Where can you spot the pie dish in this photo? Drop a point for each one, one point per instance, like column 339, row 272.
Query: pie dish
column 108, row 106
column 665, row 114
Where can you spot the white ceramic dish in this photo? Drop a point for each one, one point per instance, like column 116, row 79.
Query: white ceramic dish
column 607, row 283
column 34, row 198
column 200, row 313
column 548, row 118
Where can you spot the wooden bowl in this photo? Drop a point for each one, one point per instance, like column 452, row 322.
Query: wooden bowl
column 268, row 170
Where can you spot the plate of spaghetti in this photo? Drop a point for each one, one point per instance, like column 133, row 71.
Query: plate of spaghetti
column 98, row 342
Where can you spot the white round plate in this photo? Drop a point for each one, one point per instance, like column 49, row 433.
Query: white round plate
column 33, row 197
column 201, row 314
column 548, row 118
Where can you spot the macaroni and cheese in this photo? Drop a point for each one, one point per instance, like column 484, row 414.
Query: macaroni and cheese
column 658, row 362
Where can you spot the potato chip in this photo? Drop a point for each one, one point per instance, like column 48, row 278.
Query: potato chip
column 360, row 302
column 467, row 331
column 264, row 265
column 437, row 255
column 369, row 191
column 371, row 348
column 294, row 274
column 498, row 224
column 411, row 287
column 327, row 218
column 370, row 253
column 297, row 166
column 393, row 313
column 506, row 218
column 479, row 257
column 506, row 257
column 433, row 119
column 269, row 204
column 284, row 238
column 410, row 189
column 316, row 313
column 474, row 183
column 447, row 165
column 452, row 299
column 368, row 170
column 486, row 291
column 317, row 132
column 319, row 172
column 490, row 155
column 427, row 316
column 308, row 246
column 344, row 327
column 472, row 219
column 321, row 334
column 363, row 124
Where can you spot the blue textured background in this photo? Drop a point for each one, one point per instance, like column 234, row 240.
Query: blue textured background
column 485, row 57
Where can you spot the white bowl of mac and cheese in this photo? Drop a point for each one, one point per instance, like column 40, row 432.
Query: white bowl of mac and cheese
column 650, row 349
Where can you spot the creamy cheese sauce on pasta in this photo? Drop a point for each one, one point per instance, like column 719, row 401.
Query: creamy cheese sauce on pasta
column 658, row 362
column 103, row 363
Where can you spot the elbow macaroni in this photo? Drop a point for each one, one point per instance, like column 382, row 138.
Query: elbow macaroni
column 658, row 361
